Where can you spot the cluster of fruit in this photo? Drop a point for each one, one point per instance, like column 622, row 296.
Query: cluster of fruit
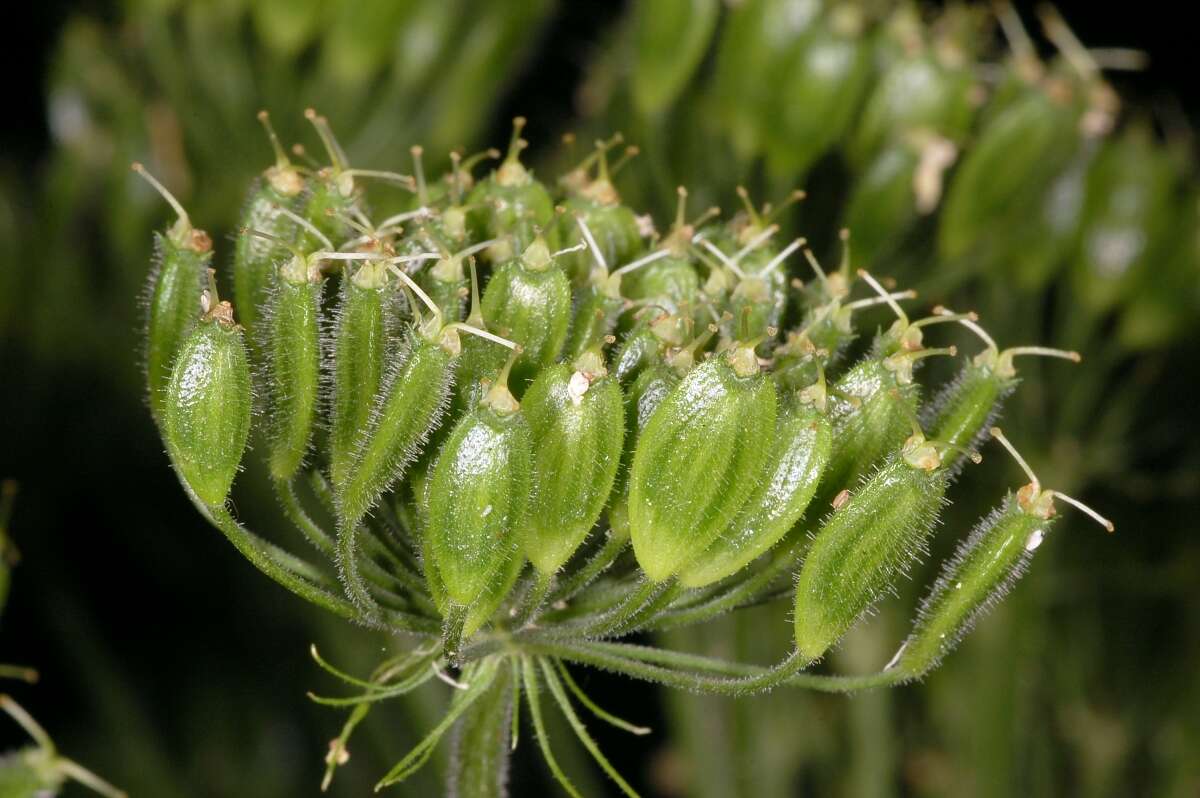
column 665, row 426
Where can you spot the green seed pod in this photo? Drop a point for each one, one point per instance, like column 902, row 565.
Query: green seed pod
column 655, row 381
column 407, row 409
column 575, row 416
column 965, row 408
column 361, row 339
column 510, row 205
column 695, row 464
column 867, row 544
column 293, row 374
column 613, row 227
column 799, row 450
column 206, row 413
column 599, row 303
column 982, row 571
column 182, row 256
column 876, row 400
column 254, row 258
column 528, row 300
column 477, row 495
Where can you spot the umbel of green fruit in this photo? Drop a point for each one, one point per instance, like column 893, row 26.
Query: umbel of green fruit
column 676, row 433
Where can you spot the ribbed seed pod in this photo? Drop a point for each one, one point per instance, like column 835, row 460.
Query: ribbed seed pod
column 477, row 496
column 254, row 257
column 293, row 377
column 612, row 226
column 965, row 408
column 575, row 415
column 206, row 412
column 509, row 205
column 528, row 300
column 178, row 276
column 799, row 450
column 982, row 571
column 696, row 462
column 876, row 400
column 867, row 544
column 360, row 346
column 415, row 392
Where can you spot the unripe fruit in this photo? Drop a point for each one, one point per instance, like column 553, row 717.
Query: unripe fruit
column 477, row 495
column 982, row 571
column 510, row 205
column 360, row 345
column 799, row 450
column 696, row 463
column 576, row 419
column 206, row 416
column 867, row 544
column 293, row 375
column 182, row 257
column 254, row 258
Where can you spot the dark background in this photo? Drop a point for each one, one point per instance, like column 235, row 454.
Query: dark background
column 148, row 616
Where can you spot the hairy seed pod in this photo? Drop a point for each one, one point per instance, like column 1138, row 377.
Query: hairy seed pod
column 982, row 571
column 799, row 450
column 414, row 394
column 510, row 205
column 293, row 378
column 360, row 345
column 696, row 463
column 254, row 258
column 206, row 413
column 477, row 495
column 867, row 544
column 575, row 417
column 182, row 256
column 965, row 408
